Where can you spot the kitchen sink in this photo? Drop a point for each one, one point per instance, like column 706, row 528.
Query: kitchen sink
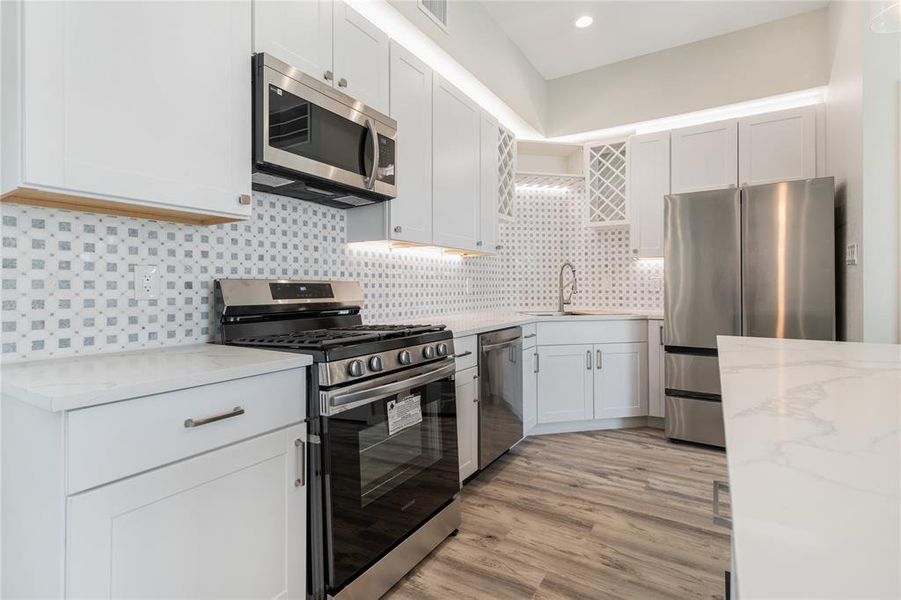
column 572, row 313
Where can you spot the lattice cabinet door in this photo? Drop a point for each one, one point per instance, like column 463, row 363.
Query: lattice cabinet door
column 506, row 173
column 605, row 171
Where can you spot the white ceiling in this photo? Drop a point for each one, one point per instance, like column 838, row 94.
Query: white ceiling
column 544, row 30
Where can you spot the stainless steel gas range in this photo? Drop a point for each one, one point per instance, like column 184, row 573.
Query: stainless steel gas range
column 383, row 466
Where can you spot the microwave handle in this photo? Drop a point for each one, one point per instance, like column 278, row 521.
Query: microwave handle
column 370, row 181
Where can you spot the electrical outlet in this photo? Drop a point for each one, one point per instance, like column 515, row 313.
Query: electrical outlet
column 851, row 254
column 468, row 286
column 606, row 283
column 657, row 283
column 147, row 282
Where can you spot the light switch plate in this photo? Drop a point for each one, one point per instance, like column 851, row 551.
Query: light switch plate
column 147, row 282
column 851, row 254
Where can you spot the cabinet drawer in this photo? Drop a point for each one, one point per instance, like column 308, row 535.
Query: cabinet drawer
column 466, row 352
column 529, row 335
column 116, row 440
column 593, row 332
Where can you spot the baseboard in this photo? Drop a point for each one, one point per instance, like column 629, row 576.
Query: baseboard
column 656, row 422
column 592, row 425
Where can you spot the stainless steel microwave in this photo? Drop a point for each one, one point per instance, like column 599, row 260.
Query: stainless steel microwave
column 315, row 143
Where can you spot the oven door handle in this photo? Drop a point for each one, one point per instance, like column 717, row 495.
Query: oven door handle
column 342, row 402
column 370, row 181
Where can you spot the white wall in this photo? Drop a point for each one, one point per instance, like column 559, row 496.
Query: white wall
column 862, row 152
column 769, row 59
column 481, row 47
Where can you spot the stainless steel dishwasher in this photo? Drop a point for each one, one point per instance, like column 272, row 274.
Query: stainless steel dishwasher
column 500, row 393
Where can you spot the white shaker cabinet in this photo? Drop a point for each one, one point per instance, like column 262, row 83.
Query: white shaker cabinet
column 488, row 175
column 649, row 181
column 227, row 524
column 656, row 381
column 456, row 163
column 467, row 389
column 620, row 380
column 529, row 389
column 137, row 108
column 565, row 383
column 777, row 146
column 361, row 58
column 704, row 157
column 298, row 32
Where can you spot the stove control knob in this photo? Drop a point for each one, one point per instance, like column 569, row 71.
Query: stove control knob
column 355, row 368
column 428, row 352
column 404, row 357
column 375, row 363
column 441, row 349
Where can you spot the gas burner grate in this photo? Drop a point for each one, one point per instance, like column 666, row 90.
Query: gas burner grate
column 320, row 339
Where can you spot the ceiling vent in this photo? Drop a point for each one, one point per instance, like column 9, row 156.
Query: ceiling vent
column 436, row 10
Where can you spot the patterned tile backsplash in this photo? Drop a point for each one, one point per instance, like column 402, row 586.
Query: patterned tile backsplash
column 68, row 283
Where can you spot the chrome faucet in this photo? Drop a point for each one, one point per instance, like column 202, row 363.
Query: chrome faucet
column 573, row 287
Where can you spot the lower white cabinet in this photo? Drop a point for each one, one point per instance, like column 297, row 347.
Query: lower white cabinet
column 529, row 389
column 565, row 383
column 620, row 380
column 227, row 524
column 468, row 421
column 656, row 380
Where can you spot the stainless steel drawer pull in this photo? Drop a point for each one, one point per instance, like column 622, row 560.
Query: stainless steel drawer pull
column 301, row 464
column 462, row 354
column 600, row 360
column 588, row 359
column 718, row 518
column 661, row 335
column 537, row 362
column 531, row 335
column 235, row 412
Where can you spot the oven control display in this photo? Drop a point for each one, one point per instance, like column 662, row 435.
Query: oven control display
column 300, row 291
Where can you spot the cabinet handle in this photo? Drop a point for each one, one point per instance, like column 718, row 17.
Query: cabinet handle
column 600, row 364
column 479, row 243
column 537, row 362
column 531, row 335
column 718, row 518
column 588, row 359
column 398, row 229
column 462, row 354
column 475, row 400
column 244, row 199
column 235, row 412
column 661, row 335
column 342, row 82
column 498, row 247
column 328, row 76
column 301, row 449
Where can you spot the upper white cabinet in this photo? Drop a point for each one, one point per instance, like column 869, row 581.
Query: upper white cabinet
column 456, row 162
column 620, row 380
column 777, row 146
column 605, row 169
column 488, row 176
column 649, row 182
column 298, row 32
column 361, row 58
column 704, row 157
column 140, row 108
column 230, row 523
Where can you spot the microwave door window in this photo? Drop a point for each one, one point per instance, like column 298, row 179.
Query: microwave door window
column 305, row 129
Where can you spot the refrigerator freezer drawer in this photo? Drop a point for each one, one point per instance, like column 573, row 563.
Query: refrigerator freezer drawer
column 699, row 421
column 692, row 373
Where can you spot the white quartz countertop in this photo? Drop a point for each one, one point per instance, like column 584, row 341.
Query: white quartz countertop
column 78, row 382
column 463, row 324
column 814, row 455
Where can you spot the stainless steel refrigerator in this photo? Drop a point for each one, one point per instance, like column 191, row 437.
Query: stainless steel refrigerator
column 756, row 261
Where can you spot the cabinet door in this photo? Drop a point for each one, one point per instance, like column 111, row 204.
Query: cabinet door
column 298, row 32
column 621, row 380
column 649, row 182
column 655, row 368
column 565, row 383
column 529, row 389
column 488, row 181
column 704, row 157
column 456, row 163
column 227, row 524
column 777, row 146
column 143, row 102
column 361, row 58
column 468, row 421
column 411, row 105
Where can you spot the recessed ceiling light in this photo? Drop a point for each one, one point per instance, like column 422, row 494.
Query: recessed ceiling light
column 583, row 22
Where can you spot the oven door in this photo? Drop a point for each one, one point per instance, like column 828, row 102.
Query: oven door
column 390, row 452
column 306, row 129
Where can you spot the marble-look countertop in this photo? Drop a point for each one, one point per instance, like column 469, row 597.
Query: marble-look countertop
column 463, row 324
column 814, row 455
column 77, row 382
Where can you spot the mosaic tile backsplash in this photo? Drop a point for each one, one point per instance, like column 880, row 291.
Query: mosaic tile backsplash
column 68, row 283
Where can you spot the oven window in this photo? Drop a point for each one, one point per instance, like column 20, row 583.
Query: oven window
column 302, row 128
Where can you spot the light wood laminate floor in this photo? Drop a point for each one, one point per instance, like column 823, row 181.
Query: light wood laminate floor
column 609, row 514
